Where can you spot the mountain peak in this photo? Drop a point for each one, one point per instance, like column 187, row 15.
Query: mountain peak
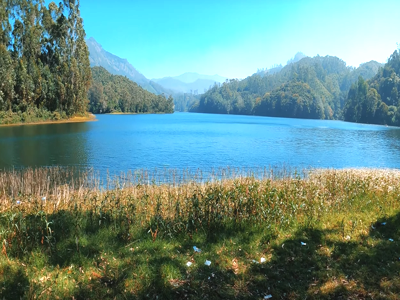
column 298, row 56
column 114, row 64
column 91, row 39
column 120, row 66
column 93, row 42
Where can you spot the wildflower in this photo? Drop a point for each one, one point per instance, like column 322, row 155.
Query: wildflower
column 207, row 263
column 18, row 202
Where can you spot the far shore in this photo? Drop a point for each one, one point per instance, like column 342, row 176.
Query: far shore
column 132, row 113
column 121, row 113
column 76, row 119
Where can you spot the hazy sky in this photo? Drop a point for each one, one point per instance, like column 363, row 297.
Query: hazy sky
column 234, row 38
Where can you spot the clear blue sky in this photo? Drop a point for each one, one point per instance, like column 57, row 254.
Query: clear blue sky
column 234, row 38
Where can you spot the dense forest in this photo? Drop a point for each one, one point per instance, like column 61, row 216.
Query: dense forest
column 44, row 61
column 45, row 70
column 45, row 74
column 306, row 88
column 376, row 100
column 295, row 99
column 116, row 93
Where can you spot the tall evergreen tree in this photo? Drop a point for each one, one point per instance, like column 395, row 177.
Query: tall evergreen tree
column 44, row 60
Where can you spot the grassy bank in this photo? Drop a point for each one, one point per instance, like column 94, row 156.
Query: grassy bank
column 332, row 234
column 36, row 116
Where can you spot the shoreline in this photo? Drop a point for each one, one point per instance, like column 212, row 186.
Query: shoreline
column 121, row 113
column 132, row 113
column 261, row 116
column 90, row 118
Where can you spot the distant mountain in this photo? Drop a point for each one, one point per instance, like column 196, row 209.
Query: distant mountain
column 115, row 65
column 197, row 87
column 172, row 84
column 190, row 77
column 299, row 56
column 277, row 68
column 190, row 82
column 202, row 85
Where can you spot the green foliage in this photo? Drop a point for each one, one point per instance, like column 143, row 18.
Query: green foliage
column 328, row 80
column 44, row 60
column 31, row 115
column 116, row 93
column 376, row 101
column 295, row 99
column 184, row 101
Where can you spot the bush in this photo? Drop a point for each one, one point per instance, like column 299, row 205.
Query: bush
column 32, row 114
column 56, row 116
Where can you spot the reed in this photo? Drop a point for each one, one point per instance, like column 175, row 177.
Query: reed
column 54, row 213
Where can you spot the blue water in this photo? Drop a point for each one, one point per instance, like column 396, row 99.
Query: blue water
column 119, row 143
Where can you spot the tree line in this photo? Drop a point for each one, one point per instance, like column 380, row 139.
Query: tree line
column 44, row 60
column 45, row 74
column 315, row 88
column 45, row 70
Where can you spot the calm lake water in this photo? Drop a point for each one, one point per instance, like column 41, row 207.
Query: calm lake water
column 183, row 140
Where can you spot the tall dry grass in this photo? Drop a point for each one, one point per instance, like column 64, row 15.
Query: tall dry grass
column 186, row 203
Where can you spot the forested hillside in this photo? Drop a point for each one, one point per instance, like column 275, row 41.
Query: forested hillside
column 116, row 93
column 286, row 101
column 44, row 61
column 118, row 66
column 309, row 88
column 99, row 57
column 376, row 100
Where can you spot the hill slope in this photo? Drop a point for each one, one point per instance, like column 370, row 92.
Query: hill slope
column 118, row 66
column 327, row 81
column 115, row 65
column 116, row 93
column 377, row 100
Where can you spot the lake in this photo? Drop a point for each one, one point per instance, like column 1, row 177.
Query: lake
column 119, row 143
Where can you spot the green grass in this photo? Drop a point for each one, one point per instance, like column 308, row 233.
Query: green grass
column 135, row 242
